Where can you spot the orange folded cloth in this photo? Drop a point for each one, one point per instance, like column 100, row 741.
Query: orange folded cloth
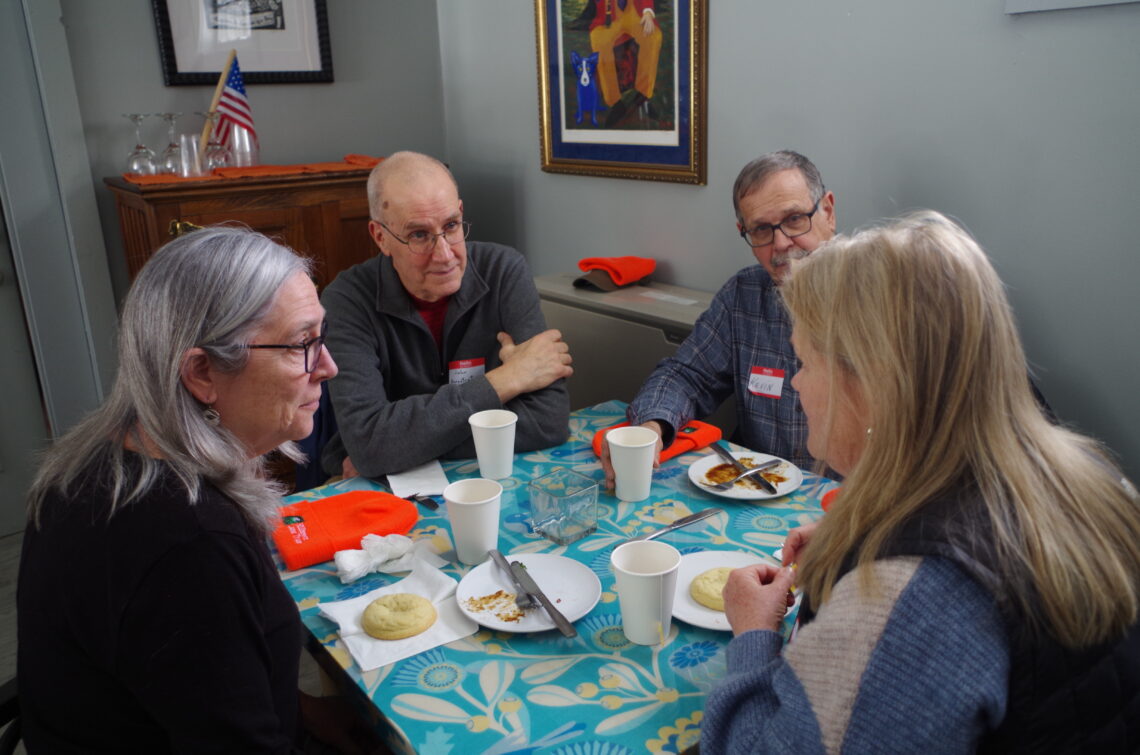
column 829, row 498
column 693, row 436
column 312, row 531
column 610, row 273
column 364, row 161
column 165, row 178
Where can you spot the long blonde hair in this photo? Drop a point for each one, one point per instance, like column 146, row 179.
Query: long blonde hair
column 915, row 313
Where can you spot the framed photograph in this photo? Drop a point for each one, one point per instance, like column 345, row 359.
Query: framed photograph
column 277, row 41
column 622, row 88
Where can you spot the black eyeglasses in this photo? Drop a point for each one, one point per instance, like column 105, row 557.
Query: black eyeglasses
column 792, row 226
column 423, row 242
column 311, row 346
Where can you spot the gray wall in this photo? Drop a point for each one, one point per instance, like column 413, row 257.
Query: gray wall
column 386, row 95
column 1024, row 127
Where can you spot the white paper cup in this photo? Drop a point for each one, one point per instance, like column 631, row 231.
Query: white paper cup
column 473, row 510
column 646, row 572
column 494, row 434
column 631, row 453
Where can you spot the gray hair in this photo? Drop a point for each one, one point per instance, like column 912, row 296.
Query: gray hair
column 755, row 173
column 209, row 289
column 405, row 162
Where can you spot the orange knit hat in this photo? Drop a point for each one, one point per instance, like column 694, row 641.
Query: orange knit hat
column 311, row 531
column 610, row 273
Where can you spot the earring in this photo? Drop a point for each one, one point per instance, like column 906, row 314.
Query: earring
column 210, row 414
column 868, row 432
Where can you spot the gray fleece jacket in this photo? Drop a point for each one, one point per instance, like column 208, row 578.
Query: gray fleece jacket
column 394, row 404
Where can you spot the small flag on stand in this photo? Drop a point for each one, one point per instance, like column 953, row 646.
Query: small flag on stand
column 233, row 107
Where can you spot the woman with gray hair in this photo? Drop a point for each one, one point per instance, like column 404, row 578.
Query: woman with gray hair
column 976, row 586
column 151, row 617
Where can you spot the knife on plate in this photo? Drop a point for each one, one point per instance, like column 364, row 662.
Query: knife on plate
column 723, row 453
column 522, row 597
column 532, row 588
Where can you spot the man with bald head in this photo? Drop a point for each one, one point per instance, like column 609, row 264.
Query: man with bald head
column 434, row 329
column 740, row 346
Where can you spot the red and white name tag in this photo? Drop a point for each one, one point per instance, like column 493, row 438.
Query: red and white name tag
column 766, row 381
column 462, row 370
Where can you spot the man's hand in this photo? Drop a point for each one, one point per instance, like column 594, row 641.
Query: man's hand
column 608, row 465
column 348, row 469
column 796, row 541
column 530, row 365
column 757, row 597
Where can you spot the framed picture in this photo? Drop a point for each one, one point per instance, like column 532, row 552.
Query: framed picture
column 277, row 41
column 622, row 88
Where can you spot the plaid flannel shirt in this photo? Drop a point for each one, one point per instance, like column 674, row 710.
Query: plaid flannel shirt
column 745, row 327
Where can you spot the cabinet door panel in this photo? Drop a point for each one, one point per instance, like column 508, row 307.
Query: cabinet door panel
column 283, row 224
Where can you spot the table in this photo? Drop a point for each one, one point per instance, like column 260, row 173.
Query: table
column 497, row 692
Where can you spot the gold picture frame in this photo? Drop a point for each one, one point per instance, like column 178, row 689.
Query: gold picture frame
column 622, row 88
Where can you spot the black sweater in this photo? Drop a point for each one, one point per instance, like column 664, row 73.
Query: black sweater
column 164, row 629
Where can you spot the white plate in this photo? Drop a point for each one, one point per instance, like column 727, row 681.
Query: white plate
column 699, row 468
column 693, row 565
column 571, row 586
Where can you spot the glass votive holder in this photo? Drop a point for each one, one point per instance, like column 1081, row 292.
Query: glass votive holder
column 564, row 505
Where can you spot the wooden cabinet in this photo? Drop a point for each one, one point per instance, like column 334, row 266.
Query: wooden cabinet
column 322, row 215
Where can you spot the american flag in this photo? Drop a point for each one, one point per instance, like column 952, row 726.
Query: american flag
column 233, row 107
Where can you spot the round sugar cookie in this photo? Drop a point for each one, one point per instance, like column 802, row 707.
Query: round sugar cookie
column 397, row 616
column 707, row 586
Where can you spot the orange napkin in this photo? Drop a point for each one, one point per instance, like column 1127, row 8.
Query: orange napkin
column 312, row 531
column 623, row 270
column 692, row 436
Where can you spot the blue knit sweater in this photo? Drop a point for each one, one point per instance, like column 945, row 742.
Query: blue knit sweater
column 921, row 666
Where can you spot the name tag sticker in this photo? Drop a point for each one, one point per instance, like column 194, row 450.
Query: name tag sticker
column 462, row 370
column 766, row 381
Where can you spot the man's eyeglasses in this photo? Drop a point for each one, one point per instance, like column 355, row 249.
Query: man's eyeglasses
column 311, row 346
column 423, row 242
column 792, row 226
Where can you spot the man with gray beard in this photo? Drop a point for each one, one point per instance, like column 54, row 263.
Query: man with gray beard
column 740, row 345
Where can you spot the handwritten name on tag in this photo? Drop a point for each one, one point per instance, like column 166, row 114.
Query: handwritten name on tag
column 766, row 381
column 462, row 370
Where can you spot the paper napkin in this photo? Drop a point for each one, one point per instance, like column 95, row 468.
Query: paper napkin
column 426, row 479
column 425, row 580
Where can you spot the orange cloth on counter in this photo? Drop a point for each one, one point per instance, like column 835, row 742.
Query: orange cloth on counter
column 623, row 270
column 312, row 531
column 350, row 162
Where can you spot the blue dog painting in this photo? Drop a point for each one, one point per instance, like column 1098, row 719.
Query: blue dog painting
column 584, row 69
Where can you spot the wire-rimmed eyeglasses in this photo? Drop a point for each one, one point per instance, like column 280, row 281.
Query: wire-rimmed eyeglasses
column 791, row 226
column 311, row 347
column 423, row 242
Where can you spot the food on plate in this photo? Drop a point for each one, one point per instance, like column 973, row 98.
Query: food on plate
column 706, row 587
column 725, row 472
column 398, row 616
column 500, row 603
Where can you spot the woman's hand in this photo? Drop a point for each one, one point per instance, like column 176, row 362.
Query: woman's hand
column 796, row 541
column 757, row 597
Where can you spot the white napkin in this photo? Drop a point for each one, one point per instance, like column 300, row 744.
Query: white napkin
column 425, row 580
column 383, row 553
column 426, row 479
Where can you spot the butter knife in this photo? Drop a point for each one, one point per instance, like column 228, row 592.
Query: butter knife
column 522, row 597
column 532, row 588
column 723, row 453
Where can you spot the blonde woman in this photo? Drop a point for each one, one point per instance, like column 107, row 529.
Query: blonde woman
column 976, row 587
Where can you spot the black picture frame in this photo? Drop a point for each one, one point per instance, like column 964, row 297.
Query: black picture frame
column 304, row 56
column 662, row 137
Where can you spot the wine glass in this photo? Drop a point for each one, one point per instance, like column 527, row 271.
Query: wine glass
column 170, row 159
column 217, row 155
column 141, row 158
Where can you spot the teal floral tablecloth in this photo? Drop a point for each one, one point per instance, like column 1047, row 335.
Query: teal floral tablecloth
column 596, row 694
